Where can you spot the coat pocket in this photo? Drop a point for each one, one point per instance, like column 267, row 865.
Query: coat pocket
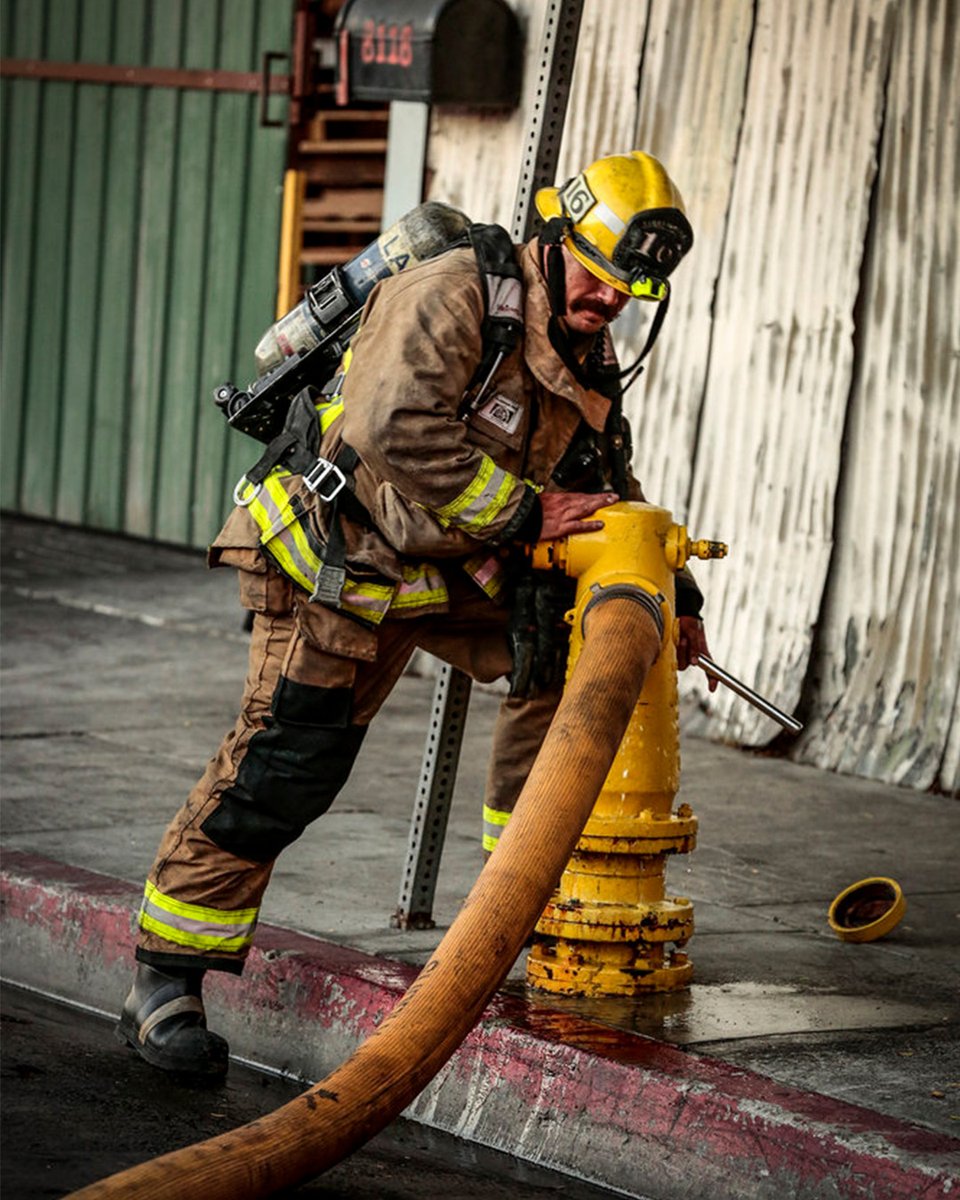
column 332, row 633
column 263, row 589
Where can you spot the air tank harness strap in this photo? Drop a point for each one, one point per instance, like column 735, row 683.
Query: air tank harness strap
column 331, row 480
column 502, row 326
column 321, row 475
column 333, row 574
column 296, row 447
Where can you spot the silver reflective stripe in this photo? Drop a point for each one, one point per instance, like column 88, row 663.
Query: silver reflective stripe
column 195, row 925
column 494, row 822
column 481, row 502
column 608, row 217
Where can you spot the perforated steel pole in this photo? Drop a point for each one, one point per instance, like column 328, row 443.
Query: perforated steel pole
column 451, row 696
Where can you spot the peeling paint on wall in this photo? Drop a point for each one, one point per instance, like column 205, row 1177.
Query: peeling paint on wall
column 885, row 676
column 781, row 361
column 802, row 402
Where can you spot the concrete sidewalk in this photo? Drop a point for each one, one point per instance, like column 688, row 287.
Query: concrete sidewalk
column 796, row 1065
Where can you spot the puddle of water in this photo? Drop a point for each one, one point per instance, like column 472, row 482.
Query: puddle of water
column 719, row 1012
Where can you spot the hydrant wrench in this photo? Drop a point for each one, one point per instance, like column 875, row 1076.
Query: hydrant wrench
column 748, row 694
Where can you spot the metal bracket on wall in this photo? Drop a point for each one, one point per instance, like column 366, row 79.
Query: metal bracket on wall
column 266, row 72
column 139, row 76
column 441, row 756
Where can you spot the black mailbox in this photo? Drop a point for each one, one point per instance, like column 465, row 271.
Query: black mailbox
column 467, row 52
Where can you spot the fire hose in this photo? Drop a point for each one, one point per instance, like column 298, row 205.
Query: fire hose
column 333, row 1118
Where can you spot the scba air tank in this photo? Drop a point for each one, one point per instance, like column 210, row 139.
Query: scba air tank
column 330, row 305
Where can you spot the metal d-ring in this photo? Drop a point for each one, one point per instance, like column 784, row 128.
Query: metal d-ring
column 237, row 493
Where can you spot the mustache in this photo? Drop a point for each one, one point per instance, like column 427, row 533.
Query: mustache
column 605, row 311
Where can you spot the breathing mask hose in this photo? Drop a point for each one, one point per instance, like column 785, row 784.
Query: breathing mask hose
column 336, row 1116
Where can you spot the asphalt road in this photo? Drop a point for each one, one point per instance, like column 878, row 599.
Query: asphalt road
column 77, row 1106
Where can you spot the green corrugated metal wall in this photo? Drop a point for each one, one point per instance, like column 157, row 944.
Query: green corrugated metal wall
column 140, row 229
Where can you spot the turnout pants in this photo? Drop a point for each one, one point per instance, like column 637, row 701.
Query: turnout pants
column 314, row 682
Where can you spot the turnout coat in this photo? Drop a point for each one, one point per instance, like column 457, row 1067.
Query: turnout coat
column 446, row 486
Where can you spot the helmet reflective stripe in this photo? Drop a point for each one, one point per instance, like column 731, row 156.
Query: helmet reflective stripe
column 196, row 926
column 609, row 218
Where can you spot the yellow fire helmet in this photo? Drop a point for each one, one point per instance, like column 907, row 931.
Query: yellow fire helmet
column 624, row 221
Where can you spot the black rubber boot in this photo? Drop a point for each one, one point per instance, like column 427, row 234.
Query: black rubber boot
column 163, row 1020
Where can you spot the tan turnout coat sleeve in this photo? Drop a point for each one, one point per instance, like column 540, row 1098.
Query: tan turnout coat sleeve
column 433, row 483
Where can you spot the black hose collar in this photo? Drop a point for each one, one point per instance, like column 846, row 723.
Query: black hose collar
column 653, row 603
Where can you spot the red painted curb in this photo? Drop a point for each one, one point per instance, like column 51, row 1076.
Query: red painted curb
column 617, row 1108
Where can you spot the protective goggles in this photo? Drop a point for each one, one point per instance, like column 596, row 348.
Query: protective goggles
column 646, row 252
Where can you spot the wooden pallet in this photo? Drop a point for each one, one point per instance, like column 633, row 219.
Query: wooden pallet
column 342, row 153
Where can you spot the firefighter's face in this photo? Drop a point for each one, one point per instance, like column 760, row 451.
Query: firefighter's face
column 591, row 303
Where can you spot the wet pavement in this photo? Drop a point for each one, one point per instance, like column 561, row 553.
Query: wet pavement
column 78, row 1106
column 122, row 664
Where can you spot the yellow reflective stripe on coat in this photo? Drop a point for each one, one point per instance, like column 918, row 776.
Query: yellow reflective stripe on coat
column 286, row 537
column 196, row 925
column 279, row 525
column 494, row 820
column 421, row 586
column 331, row 406
column 482, row 501
column 329, row 412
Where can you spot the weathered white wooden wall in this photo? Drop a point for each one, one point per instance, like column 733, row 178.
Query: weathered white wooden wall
column 802, row 403
column 887, row 660
column 768, row 455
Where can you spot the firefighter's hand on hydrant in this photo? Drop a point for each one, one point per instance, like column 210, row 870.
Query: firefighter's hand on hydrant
column 564, row 512
column 691, row 643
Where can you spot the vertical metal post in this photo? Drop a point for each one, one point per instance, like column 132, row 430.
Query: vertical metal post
column 441, row 756
column 561, row 29
column 428, row 827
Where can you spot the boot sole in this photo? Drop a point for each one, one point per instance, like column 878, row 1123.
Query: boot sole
column 126, row 1033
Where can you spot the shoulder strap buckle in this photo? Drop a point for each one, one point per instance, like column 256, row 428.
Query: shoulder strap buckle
column 316, row 476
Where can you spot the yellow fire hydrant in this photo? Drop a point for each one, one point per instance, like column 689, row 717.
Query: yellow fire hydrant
column 610, row 925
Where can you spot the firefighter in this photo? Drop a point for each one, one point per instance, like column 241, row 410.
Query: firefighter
column 413, row 544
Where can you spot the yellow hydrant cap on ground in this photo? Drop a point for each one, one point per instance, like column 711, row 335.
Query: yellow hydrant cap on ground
column 867, row 910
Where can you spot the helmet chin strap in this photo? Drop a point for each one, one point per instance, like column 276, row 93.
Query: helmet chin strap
column 635, row 370
column 551, row 262
column 554, row 272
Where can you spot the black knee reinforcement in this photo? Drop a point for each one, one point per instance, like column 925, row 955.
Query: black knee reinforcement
column 292, row 771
